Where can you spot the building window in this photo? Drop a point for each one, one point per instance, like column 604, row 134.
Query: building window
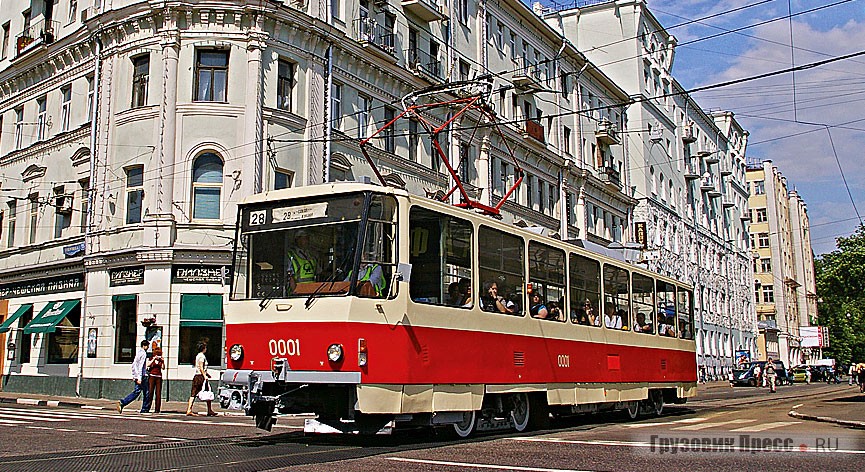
column 285, row 85
column 62, row 213
column 336, row 106
column 760, row 215
column 463, row 164
column 140, row 78
column 126, row 331
column 463, row 11
column 10, row 233
column 206, row 187
column 134, row 194
column 566, row 138
column 89, row 97
column 364, row 105
column 73, row 9
column 282, row 179
column 85, row 204
column 5, row 43
column 465, row 70
column 413, row 140
column 768, row 294
column 759, row 187
column 41, row 119
column 34, row 216
column 65, row 111
column 211, row 75
column 764, row 240
column 336, row 9
column 390, row 131
column 766, row 265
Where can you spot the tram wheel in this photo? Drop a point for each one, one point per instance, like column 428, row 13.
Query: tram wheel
column 466, row 427
column 656, row 402
column 633, row 410
column 520, row 412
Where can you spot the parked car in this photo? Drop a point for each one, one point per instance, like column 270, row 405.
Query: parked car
column 799, row 373
column 746, row 376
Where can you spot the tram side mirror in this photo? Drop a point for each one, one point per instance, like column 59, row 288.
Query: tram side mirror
column 403, row 272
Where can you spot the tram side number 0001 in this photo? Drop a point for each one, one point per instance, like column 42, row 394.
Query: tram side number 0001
column 564, row 360
column 284, row 347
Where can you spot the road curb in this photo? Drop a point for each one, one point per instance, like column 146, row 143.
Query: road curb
column 827, row 419
column 52, row 403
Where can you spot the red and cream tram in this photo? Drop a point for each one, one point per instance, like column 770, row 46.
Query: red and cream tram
column 374, row 309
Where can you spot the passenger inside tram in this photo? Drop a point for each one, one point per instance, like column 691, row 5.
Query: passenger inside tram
column 612, row 318
column 641, row 325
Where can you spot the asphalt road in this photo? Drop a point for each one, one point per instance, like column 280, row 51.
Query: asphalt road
column 726, row 429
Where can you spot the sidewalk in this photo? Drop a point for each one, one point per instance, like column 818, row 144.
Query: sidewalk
column 104, row 404
column 845, row 409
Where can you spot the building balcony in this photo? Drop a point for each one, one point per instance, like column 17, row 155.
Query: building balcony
column 707, row 182
column 534, row 130
column 714, row 192
column 688, row 135
column 426, row 10
column 692, row 172
column 527, row 75
column 425, row 66
column 728, row 203
column 745, row 216
column 375, row 37
column 610, row 176
column 38, row 34
column 606, row 133
column 726, row 170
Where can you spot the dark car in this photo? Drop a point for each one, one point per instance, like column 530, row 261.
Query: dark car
column 746, row 376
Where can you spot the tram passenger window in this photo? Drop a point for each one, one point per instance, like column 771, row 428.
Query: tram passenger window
column 501, row 271
column 616, row 297
column 686, row 314
column 547, row 279
column 585, row 290
column 441, row 259
column 666, row 309
column 644, row 303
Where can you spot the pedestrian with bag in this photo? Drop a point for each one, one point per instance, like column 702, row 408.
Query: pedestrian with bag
column 138, row 376
column 200, row 385
column 155, row 365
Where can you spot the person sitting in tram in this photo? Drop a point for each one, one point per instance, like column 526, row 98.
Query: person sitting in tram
column 612, row 318
column 667, row 327
column 538, row 309
column 465, row 292
column 491, row 301
column 302, row 263
column 641, row 325
column 371, row 272
column 454, row 296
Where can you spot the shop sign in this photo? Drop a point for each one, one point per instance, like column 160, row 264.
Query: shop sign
column 68, row 283
column 126, row 276
column 196, row 274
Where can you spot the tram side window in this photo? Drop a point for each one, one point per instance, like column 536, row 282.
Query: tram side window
column 644, row 304
column 377, row 259
column 616, row 297
column 666, row 309
column 441, row 259
column 547, row 279
column 501, row 271
column 585, row 290
column 686, row 314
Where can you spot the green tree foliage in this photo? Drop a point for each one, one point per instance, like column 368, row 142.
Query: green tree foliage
column 841, row 291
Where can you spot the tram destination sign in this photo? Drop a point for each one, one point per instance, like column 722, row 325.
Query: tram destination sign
column 68, row 283
column 197, row 274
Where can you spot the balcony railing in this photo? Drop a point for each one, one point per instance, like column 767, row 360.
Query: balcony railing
column 420, row 62
column 369, row 33
column 688, row 133
column 610, row 176
column 527, row 74
column 426, row 10
column 707, row 182
column 692, row 172
column 606, row 133
column 41, row 32
column 534, row 130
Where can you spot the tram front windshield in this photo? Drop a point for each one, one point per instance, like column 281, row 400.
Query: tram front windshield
column 319, row 246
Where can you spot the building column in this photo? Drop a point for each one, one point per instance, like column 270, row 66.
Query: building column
column 484, row 172
column 253, row 132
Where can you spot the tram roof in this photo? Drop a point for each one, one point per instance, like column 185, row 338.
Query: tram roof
column 602, row 253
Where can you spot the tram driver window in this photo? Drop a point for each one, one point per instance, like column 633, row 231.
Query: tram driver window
column 585, row 290
column 666, row 309
column 440, row 253
column 616, row 297
column 686, row 314
column 501, row 271
column 644, row 303
column 547, row 279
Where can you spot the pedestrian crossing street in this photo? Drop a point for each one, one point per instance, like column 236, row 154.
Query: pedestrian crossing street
column 736, row 425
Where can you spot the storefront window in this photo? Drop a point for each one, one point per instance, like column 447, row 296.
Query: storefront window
column 201, row 322
column 125, row 315
column 63, row 341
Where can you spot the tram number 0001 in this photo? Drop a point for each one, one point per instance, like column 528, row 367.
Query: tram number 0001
column 284, row 347
column 564, row 360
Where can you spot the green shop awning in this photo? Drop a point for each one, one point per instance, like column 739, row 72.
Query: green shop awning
column 7, row 325
column 123, row 298
column 50, row 317
column 200, row 310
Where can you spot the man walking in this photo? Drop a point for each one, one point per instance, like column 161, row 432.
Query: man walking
column 138, row 376
column 769, row 373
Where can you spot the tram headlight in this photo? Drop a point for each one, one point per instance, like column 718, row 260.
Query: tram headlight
column 236, row 352
column 334, row 352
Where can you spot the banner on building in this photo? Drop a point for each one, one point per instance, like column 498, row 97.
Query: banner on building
column 126, row 276
column 67, row 283
column 814, row 336
column 198, row 274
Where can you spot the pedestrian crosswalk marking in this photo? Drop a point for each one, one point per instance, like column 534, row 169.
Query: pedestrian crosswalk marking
column 698, row 427
column 665, row 423
column 765, row 426
column 34, row 417
column 11, row 422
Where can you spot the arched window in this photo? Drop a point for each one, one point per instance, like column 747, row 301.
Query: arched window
column 206, row 187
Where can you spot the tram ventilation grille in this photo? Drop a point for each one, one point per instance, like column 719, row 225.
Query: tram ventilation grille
column 663, row 364
column 519, row 358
